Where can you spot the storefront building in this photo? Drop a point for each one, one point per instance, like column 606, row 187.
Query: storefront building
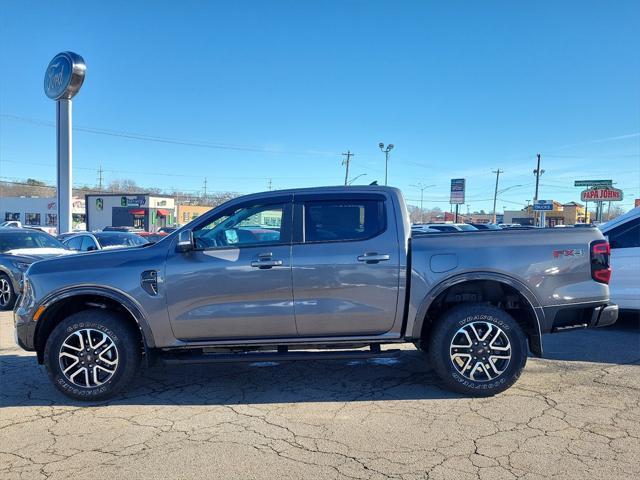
column 562, row 214
column 40, row 212
column 141, row 211
column 186, row 213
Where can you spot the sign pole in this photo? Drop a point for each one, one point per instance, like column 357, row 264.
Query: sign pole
column 62, row 80
column 64, row 161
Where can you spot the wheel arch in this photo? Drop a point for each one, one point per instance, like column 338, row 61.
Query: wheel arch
column 61, row 304
column 531, row 320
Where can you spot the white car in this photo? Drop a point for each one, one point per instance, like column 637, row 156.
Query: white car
column 451, row 227
column 624, row 236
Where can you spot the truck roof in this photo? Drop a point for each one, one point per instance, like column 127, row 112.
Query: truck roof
column 327, row 189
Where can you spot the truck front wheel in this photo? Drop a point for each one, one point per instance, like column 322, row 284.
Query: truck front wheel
column 92, row 354
column 478, row 349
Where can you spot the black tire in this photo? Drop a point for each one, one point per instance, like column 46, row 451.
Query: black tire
column 420, row 347
column 128, row 348
column 5, row 283
column 441, row 341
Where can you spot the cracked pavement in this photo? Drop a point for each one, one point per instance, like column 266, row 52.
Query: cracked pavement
column 575, row 414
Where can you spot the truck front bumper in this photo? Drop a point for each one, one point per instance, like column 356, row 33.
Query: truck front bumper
column 24, row 328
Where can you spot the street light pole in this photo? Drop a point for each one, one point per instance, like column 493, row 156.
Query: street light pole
column 355, row 178
column 422, row 188
column 386, row 151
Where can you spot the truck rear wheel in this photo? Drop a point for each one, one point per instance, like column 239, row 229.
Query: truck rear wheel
column 92, row 354
column 478, row 349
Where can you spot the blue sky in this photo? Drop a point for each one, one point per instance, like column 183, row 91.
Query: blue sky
column 279, row 89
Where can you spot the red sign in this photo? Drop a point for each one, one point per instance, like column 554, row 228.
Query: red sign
column 601, row 195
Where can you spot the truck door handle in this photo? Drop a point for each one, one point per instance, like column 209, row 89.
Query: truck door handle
column 264, row 264
column 373, row 257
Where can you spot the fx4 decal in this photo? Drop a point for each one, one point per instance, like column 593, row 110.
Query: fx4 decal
column 569, row 252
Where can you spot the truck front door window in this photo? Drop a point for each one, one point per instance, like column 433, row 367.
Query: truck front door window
column 251, row 225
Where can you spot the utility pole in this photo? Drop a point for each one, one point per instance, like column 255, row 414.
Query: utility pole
column 269, row 185
column 205, row 188
column 345, row 162
column 386, row 159
column 537, row 172
column 100, row 172
column 495, row 193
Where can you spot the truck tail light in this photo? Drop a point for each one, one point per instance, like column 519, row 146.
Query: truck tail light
column 600, row 268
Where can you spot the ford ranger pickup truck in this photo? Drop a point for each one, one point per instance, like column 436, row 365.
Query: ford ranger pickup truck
column 330, row 272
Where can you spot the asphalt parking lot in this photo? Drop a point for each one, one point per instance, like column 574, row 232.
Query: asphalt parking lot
column 575, row 414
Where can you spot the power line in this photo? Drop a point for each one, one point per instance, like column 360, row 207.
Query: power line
column 164, row 174
column 170, row 140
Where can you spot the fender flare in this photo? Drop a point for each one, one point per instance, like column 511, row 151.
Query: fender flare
column 128, row 303
column 535, row 338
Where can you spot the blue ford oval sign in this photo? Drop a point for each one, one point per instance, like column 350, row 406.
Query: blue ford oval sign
column 64, row 75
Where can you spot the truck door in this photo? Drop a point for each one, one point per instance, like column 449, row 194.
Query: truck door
column 345, row 264
column 237, row 282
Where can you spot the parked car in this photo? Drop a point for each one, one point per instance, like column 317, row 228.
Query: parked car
column 485, row 226
column 420, row 228
column 452, row 227
column 168, row 230
column 152, row 237
column 91, row 241
column 509, row 225
column 122, row 229
column 11, row 224
column 339, row 272
column 19, row 248
column 624, row 237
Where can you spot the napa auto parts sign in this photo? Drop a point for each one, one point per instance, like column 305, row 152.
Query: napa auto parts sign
column 607, row 194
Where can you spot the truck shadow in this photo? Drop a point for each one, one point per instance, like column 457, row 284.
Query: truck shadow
column 619, row 343
column 406, row 377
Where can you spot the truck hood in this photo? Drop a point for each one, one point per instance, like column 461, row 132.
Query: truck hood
column 90, row 262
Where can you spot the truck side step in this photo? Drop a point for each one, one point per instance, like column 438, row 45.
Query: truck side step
column 284, row 356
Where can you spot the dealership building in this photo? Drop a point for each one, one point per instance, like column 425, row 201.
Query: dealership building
column 40, row 212
column 142, row 211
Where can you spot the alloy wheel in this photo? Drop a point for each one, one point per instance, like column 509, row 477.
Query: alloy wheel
column 5, row 292
column 480, row 351
column 88, row 358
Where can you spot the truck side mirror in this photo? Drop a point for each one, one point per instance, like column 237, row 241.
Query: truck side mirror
column 185, row 241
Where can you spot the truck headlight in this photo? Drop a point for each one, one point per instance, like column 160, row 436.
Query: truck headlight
column 27, row 299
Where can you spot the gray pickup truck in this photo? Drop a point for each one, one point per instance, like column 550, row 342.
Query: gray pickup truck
column 311, row 273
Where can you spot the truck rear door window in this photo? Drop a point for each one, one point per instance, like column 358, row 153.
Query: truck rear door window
column 327, row 221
